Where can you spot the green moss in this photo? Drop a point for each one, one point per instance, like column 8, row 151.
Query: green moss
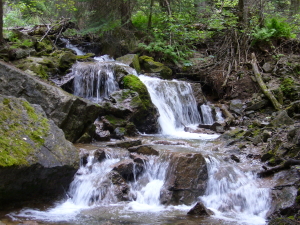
column 134, row 83
column 84, row 57
column 115, row 121
column 22, row 131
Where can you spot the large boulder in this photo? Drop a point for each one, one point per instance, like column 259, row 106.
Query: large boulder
column 34, row 154
column 72, row 114
column 146, row 118
column 131, row 60
column 186, row 179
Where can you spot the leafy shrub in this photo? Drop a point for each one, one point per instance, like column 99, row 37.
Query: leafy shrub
column 273, row 28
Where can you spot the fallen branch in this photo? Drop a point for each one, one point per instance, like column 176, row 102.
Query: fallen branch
column 286, row 165
column 262, row 85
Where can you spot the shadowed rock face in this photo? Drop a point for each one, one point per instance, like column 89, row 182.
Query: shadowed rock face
column 186, row 179
column 72, row 114
column 34, row 155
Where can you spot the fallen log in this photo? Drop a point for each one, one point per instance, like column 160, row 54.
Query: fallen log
column 262, row 85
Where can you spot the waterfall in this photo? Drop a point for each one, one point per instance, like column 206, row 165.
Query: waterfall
column 94, row 81
column 72, row 47
column 234, row 193
column 219, row 116
column 207, row 114
column 175, row 102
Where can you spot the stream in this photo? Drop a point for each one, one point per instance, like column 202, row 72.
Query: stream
column 233, row 192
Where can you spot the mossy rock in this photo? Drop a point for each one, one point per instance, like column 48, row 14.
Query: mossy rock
column 41, row 67
column 131, row 60
column 135, row 84
column 150, row 66
column 66, row 60
column 22, row 131
column 85, row 58
column 44, row 46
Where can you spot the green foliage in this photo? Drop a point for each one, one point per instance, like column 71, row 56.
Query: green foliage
column 273, row 28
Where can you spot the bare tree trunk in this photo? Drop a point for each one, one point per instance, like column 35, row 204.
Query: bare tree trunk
column 262, row 85
column 125, row 12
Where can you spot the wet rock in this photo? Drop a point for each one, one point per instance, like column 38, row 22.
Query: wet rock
column 126, row 144
column 138, row 158
column 72, row 114
column 119, row 133
column 186, row 179
column 200, row 210
column 128, row 169
column 99, row 155
column 235, row 158
column 120, row 188
column 165, row 142
column 144, row 149
column 237, row 106
column 102, row 135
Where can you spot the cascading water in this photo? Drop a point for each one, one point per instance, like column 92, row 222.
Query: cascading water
column 234, row 194
column 175, row 102
column 94, row 81
column 206, row 114
column 72, row 47
column 219, row 116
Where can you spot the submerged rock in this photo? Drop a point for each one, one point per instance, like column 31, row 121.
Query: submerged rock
column 186, row 179
column 34, row 154
column 200, row 210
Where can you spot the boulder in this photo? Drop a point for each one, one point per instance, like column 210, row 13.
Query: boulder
column 72, row 114
column 138, row 158
column 186, row 179
column 131, row 60
column 143, row 149
column 148, row 65
column 200, row 210
column 282, row 119
column 237, row 106
column 34, row 154
column 130, row 107
column 128, row 169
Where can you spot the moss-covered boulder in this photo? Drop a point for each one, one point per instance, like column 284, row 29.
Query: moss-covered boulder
column 66, row 60
column 148, row 113
column 34, row 154
column 148, row 65
column 70, row 113
column 131, row 60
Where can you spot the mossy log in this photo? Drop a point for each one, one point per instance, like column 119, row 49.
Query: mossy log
column 262, row 85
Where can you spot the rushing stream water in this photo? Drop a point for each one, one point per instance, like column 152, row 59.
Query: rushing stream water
column 233, row 193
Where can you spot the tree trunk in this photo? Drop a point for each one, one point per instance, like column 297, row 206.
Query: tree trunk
column 295, row 7
column 1, row 22
column 262, row 85
column 125, row 12
column 150, row 15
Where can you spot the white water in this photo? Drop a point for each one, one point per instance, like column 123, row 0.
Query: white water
column 175, row 102
column 72, row 47
column 94, row 81
column 235, row 195
column 207, row 114
column 219, row 116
